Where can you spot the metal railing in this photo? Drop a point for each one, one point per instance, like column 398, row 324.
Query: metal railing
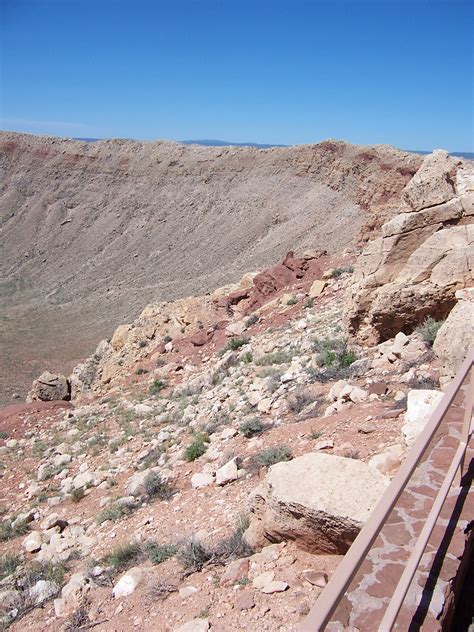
column 324, row 608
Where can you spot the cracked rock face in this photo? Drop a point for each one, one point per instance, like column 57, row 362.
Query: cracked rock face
column 424, row 255
column 320, row 501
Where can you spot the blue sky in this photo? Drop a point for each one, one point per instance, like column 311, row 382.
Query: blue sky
column 269, row 71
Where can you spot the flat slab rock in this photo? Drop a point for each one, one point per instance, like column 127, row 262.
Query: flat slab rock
column 321, row 501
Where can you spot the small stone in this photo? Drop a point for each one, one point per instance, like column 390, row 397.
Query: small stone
column 315, row 578
column 196, row 625
column 127, row 584
column 324, row 445
column 263, row 579
column 273, row 587
column 236, row 570
column 187, row 591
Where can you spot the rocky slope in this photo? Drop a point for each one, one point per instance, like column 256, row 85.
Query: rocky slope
column 90, row 232
column 135, row 496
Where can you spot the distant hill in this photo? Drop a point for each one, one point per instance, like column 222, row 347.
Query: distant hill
column 206, row 142
column 224, row 143
column 468, row 155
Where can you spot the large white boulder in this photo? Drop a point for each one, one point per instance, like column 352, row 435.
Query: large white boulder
column 420, row 405
column 320, row 501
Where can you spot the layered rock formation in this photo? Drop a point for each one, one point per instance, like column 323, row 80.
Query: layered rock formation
column 423, row 256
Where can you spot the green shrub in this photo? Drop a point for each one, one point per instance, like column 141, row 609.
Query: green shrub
column 114, row 513
column 247, row 357
column 197, row 448
column 291, row 301
column 77, row 494
column 309, row 303
column 235, row 343
column 124, row 556
column 251, row 427
column 8, row 564
column 3, row 435
column 334, row 353
column 167, row 339
column 429, row 329
column 158, row 553
column 141, row 370
column 279, row 357
column 156, row 386
column 270, row 456
column 157, row 487
column 193, row 555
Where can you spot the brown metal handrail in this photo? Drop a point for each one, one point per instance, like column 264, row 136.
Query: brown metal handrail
column 322, row 611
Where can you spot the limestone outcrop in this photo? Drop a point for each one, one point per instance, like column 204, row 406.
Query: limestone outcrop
column 422, row 257
column 320, row 501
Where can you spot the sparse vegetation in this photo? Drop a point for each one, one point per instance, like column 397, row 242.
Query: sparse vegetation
column 429, row 328
column 156, row 386
column 299, row 400
column 337, row 272
column 124, row 556
column 247, row 357
column 273, row 455
column 428, row 382
column 157, row 487
column 48, row 571
column 251, row 427
column 278, row 357
column 114, row 512
column 39, row 448
column 291, row 301
column 3, row 435
column 197, row 448
column 79, row 619
column 334, row 353
column 8, row 564
column 8, row 532
column 77, row 494
column 158, row 553
column 141, row 371
column 235, row 343
column 309, row 303
column 193, row 555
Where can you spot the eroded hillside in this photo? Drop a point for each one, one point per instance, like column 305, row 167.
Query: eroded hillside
column 92, row 232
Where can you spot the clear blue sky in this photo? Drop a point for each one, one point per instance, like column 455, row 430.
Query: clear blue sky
column 269, row 71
